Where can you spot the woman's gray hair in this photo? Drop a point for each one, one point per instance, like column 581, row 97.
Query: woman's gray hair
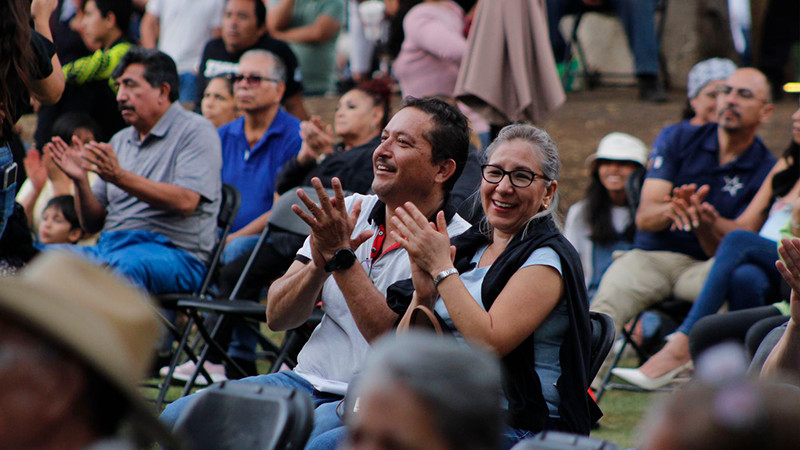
column 541, row 143
column 459, row 385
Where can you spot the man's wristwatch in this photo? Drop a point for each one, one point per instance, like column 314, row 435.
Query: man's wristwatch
column 342, row 259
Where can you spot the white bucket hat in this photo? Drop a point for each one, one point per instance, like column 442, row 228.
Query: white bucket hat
column 618, row 146
column 109, row 325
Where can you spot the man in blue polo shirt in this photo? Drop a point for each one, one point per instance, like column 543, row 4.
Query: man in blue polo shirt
column 257, row 145
column 726, row 163
column 254, row 149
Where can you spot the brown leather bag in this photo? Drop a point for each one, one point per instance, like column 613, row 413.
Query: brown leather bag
column 424, row 318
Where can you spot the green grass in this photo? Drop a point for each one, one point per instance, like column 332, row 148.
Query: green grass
column 623, row 411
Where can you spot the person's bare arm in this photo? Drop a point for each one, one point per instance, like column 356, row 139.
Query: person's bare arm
column 102, row 160
column 47, row 90
column 367, row 305
column 292, row 297
column 512, row 317
column 331, row 229
column 279, row 16
column 294, row 106
column 149, row 31
column 654, row 205
column 323, row 29
column 785, row 357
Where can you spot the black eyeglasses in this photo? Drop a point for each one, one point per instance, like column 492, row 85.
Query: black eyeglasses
column 744, row 93
column 252, row 80
column 519, row 177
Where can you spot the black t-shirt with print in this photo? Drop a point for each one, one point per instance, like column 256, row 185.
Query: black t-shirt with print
column 217, row 60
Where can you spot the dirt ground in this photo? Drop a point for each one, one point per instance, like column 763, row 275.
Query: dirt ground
column 585, row 118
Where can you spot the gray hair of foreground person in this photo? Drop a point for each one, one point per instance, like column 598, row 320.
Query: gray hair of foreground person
column 460, row 386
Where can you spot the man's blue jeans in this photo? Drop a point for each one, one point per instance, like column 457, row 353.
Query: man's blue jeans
column 637, row 17
column 325, row 417
column 6, row 195
column 744, row 273
column 147, row 259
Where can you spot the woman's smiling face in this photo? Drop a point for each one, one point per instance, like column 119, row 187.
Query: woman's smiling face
column 506, row 206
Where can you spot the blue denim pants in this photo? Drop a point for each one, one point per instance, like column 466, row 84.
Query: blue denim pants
column 637, row 17
column 147, row 259
column 6, row 195
column 744, row 273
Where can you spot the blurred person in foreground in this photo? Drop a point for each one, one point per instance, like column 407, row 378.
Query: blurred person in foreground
column 72, row 359
column 411, row 395
column 722, row 409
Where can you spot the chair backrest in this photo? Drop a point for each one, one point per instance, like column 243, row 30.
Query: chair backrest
column 603, row 332
column 556, row 440
column 282, row 216
column 236, row 416
column 229, row 207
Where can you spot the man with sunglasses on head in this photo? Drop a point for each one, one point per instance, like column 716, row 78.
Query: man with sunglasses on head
column 698, row 184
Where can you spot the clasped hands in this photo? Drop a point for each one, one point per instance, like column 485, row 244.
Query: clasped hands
column 427, row 244
column 688, row 211
column 76, row 159
column 317, row 140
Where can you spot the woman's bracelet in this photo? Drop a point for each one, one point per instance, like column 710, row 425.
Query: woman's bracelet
column 444, row 274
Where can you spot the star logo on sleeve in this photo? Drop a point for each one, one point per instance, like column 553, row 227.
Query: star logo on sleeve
column 732, row 185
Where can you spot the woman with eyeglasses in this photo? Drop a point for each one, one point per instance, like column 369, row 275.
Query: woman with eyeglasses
column 513, row 284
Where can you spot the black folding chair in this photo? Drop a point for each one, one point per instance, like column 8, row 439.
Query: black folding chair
column 602, row 340
column 672, row 309
column 229, row 207
column 250, row 313
column 243, row 415
column 556, row 440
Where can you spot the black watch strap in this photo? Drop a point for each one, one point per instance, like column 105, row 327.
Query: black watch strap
column 344, row 258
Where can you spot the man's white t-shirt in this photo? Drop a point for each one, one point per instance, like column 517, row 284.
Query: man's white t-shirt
column 336, row 349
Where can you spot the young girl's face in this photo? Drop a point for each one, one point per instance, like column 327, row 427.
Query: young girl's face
column 56, row 229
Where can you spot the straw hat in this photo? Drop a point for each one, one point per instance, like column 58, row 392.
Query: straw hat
column 619, row 147
column 109, row 325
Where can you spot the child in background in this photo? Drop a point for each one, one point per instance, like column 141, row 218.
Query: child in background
column 60, row 224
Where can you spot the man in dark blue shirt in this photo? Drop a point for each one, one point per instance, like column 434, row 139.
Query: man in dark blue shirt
column 697, row 186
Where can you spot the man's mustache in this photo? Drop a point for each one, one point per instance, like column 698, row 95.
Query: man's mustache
column 123, row 107
column 735, row 113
